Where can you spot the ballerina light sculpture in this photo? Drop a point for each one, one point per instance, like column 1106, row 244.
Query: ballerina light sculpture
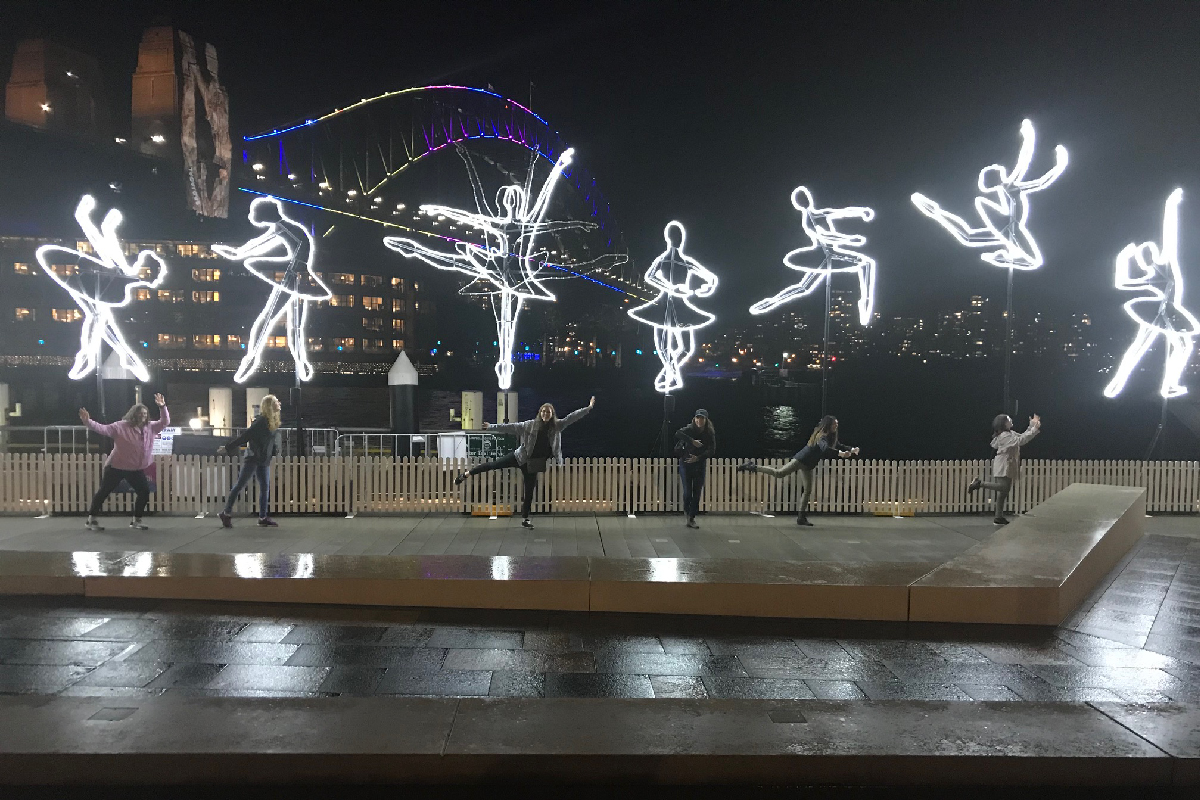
column 116, row 282
column 507, row 266
column 678, row 278
column 837, row 253
column 1160, row 312
column 284, row 242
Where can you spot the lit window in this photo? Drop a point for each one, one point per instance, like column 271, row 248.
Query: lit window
column 397, row 306
column 372, row 303
column 143, row 294
column 398, row 284
column 398, row 325
column 172, row 341
column 21, row 268
column 372, row 280
column 206, row 275
column 344, row 344
column 192, row 250
column 25, row 314
column 343, row 278
column 372, row 323
column 65, row 314
column 342, row 300
column 206, row 341
column 170, row 295
column 277, row 342
column 280, row 276
column 233, row 341
column 206, row 297
column 84, row 247
column 64, row 270
column 397, row 344
column 315, row 344
column 372, row 345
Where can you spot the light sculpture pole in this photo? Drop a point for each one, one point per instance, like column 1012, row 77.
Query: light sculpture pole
column 508, row 265
column 1003, row 208
column 837, row 255
column 115, row 286
column 678, row 278
column 284, row 245
column 1154, row 270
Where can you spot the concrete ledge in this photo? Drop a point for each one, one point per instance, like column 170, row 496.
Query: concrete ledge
column 1039, row 568
column 165, row 741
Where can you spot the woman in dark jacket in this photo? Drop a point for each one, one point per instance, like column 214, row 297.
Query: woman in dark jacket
column 822, row 444
column 540, row 443
column 262, row 439
column 694, row 444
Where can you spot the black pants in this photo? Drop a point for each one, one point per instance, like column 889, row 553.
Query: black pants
column 1001, row 486
column 692, row 478
column 109, row 481
column 510, row 460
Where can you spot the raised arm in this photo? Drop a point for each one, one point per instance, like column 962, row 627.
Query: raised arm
column 164, row 416
column 576, row 415
column 259, row 245
column 1060, row 164
column 507, row 427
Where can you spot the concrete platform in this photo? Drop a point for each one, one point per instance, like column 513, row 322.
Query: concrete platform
column 68, row 740
column 1035, row 571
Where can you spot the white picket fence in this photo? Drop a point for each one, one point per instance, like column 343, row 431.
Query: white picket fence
column 64, row 484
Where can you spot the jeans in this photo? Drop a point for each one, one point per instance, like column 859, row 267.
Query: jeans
column 261, row 470
column 692, row 478
column 806, row 482
column 510, row 460
column 1001, row 486
column 109, row 481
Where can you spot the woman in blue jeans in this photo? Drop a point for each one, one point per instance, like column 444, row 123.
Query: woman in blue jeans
column 694, row 444
column 263, row 443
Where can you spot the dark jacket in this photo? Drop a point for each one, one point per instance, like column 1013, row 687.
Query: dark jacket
column 684, row 447
column 263, row 442
column 810, row 456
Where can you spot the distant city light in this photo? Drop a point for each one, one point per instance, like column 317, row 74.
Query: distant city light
column 46, row 107
column 158, row 138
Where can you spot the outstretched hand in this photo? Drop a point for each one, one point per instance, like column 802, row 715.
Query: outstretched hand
column 159, row 399
column 486, row 425
column 1035, row 421
column 84, row 416
column 853, row 451
column 222, row 451
column 592, row 402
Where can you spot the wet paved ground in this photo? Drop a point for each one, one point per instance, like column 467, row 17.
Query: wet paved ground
column 1136, row 639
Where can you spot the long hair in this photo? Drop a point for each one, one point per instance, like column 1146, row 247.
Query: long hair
column 1000, row 424
column 824, row 430
column 269, row 408
column 131, row 416
column 708, row 425
column 537, row 418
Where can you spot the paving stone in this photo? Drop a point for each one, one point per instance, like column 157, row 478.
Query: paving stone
column 128, row 674
column 259, row 678
column 38, row 678
column 54, row 651
column 520, row 660
column 186, row 676
column 352, row 680
column 979, row 691
column 48, row 627
column 461, row 638
column 574, row 684
column 664, row 664
column 517, row 683
column 912, row 691
column 214, row 652
column 263, row 632
column 835, row 690
column 334, row 634
column 758, row 689
column 316, row 655
column 678, row 686
column 443, row 683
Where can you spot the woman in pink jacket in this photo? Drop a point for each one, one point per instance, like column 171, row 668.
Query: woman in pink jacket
column 132, row 453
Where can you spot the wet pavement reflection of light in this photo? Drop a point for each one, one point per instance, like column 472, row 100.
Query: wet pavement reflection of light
column 86, row 565
column 664, row 570
column 501, row 568
column 248, row 565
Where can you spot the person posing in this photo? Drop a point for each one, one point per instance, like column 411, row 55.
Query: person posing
column 1006, row 467
column 694, row 444
column 132, row 454
column 822, row 444
column 262, row 440
column 540, row 442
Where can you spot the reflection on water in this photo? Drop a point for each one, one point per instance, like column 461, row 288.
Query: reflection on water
column 501, row 568
column 304, row 566
column 664, row 570
column 140, row 567
column 248, row 565
column 86, row 565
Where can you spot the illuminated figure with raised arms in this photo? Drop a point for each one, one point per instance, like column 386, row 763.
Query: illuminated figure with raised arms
column 1003, row 208
column 1155, row 270
column 837, row 253
column 507, row 265
column 678, row 278
column 116, row 281
column 288, row 245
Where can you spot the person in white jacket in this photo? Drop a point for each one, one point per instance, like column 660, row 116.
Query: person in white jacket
column 1006, row 467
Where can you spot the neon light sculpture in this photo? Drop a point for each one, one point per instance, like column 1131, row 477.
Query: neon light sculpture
column 121, row 280
column 837, row 255
column 507, row 266
column 1156, row 270
column 674, row 319
column 1006, row 213
column 289, row 296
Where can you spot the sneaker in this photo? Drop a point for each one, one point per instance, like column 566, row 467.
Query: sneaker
column 137, row 524
column 525, row 523
column 999, row 521
column 803, row 521
column 974, row 487
column 93, row 525
column 226, row 519
column 691, row 523
column 267, row 522
column 749, row 466
column 459, row 480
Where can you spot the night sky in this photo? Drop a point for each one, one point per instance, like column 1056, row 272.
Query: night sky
column 712, row 113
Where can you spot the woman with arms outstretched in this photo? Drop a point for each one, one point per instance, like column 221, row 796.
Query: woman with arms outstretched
column 132, row 454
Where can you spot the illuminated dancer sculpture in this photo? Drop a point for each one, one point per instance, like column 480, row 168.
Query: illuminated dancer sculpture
column 837, row 255
column 1003, row 208
column 507, row 265
column 285, row 243
column 678, row 278
column 1155, row 270
column 116, row 281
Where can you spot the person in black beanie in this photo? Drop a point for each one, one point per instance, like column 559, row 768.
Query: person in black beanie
column 694, row 444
